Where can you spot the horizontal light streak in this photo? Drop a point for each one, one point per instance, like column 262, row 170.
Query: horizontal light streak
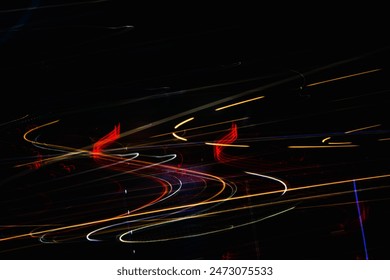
column 227, row 145
column 343, row 77
column 363, row 128
column 339, row 143
column 239, row 103
column 325, row 147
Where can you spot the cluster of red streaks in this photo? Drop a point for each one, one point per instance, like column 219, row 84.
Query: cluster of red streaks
column 363, row 211
column 227, row 139
column 105, row 141
column 38, row 163
column 68, row 168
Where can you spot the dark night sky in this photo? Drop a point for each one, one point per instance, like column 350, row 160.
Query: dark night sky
column 73, row 50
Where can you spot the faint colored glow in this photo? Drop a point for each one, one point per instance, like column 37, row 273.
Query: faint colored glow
column 179, row 137
column 15, row 120
column 38, row 163
column 339, row 143
column 226, row 145
column 239, row 103
column 270, row 177
column 89, row 238
column 362, row 128
column 360, row 219
column 119, row 27
column 183, row 122
column 344, row 203
column 325, row 139
column 343, row 77
column 320, row 147
column 384, row 139
column 52, row 6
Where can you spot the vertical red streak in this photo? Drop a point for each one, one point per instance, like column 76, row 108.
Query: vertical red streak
column 38, row 163
column 105, row 141
column 363, row 211
column 227, row 139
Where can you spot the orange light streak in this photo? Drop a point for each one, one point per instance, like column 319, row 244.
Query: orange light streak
column 239, row 103
column 343, row 77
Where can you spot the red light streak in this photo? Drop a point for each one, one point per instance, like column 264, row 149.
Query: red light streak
column 227, row 139
column 105, row 141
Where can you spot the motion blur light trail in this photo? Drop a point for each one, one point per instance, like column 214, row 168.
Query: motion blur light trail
column 188, row 140
column 360, row 220
column 226, row 140
column 342, row 77
column 105, row 141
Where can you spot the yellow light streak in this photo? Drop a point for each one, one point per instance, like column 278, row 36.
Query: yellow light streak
column 239, row 103
column 178, row 137
column 340, row 143
column 183, row 122
column 363, row 128
column 72, row 151
column 343, row 77
column 325, row 147
column 227, row 145
column 36, row 128
column 325, row 139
